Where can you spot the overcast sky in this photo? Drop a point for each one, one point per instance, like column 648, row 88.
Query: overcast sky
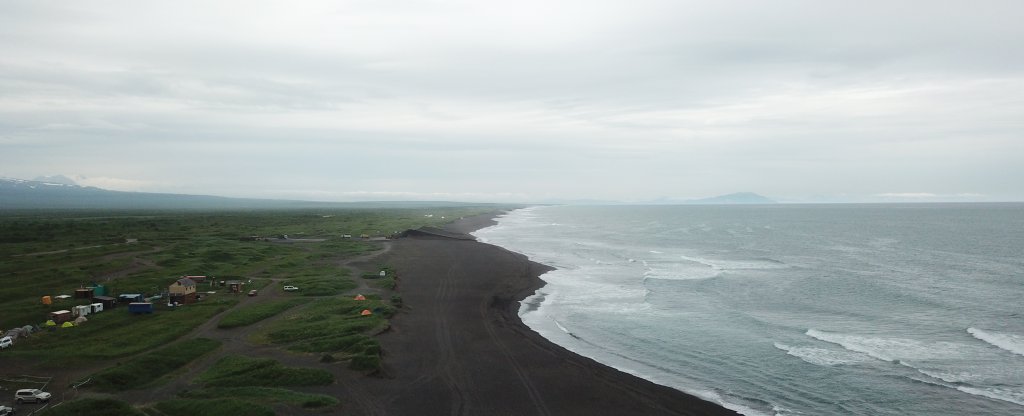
column 518, row 101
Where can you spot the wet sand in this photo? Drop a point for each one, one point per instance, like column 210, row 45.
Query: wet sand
column 459, row 348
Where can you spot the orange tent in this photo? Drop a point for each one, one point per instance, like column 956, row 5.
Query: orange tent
column 360, row 297
column 47, row 300
column 366, row 312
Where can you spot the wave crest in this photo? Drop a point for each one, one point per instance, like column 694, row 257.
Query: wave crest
column 1008, row 342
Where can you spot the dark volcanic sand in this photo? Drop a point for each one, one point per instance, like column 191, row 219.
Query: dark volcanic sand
column 459, row 347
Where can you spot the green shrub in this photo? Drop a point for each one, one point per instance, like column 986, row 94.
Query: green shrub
column 363, row 362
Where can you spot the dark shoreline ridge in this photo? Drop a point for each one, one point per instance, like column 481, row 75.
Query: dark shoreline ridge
column 461, row 349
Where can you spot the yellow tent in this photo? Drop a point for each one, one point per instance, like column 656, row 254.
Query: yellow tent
column 50, row 323
column 366, row 312
column 360, row 297
column 67, row 325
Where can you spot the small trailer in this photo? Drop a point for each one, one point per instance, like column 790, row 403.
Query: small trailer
column 140, row 307
column 96, row 307
column 81, row 310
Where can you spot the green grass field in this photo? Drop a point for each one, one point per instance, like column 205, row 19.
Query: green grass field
column 53, row 253
column 265, row 395
column 147, row 369
column 240, row 371
column 212, row 407
column 92, row 407
column 115, row 333
column 248, row 315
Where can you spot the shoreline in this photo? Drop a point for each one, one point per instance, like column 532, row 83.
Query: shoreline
column 460, row 348
column 470, row 225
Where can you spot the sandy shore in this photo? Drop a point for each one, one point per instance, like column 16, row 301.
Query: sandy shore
column 459, row 347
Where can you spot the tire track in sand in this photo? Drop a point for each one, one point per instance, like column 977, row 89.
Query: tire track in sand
column 531, row 390
column 449, row 365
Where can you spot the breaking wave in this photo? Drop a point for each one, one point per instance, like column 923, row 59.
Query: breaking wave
column 1008, row 342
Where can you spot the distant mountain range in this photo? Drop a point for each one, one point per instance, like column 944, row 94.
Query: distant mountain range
column 59, row 192
column 749, row 198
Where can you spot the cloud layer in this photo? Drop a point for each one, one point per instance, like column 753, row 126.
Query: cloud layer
column 520, row 101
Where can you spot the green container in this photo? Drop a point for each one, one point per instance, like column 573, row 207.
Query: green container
column 99, row 290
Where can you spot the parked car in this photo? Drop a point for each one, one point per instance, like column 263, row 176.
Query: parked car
column 6, row 411
column 31, row 396
column 6, row 342
column 253, row 292
column 290, row 288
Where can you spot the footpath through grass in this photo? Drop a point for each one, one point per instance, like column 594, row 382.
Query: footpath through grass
column 248, row 315
column 148, row 369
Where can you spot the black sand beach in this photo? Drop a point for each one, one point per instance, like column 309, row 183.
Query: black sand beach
column 459, row 348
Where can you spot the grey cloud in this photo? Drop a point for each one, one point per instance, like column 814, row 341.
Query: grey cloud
column 602, row 99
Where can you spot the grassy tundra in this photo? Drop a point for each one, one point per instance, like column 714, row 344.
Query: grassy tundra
column 143, row 252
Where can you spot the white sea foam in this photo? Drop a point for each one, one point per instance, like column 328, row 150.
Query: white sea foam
column 680, row 272
column 950, row 376
column 724, row 264
column 896, row 350
column 822, row 356
column 1006, row 395
column 1009, row 342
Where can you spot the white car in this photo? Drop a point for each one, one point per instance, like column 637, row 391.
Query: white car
column 6, row 342
column 6, row 411
column 31, row 396
column 290, row 288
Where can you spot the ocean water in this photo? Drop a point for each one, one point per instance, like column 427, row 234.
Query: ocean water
column 911, row 309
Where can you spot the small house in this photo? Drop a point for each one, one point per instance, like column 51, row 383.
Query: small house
column 107, row 301
column 183, row 291
column 131, row 297
column 83, row 293
column 60, row 316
